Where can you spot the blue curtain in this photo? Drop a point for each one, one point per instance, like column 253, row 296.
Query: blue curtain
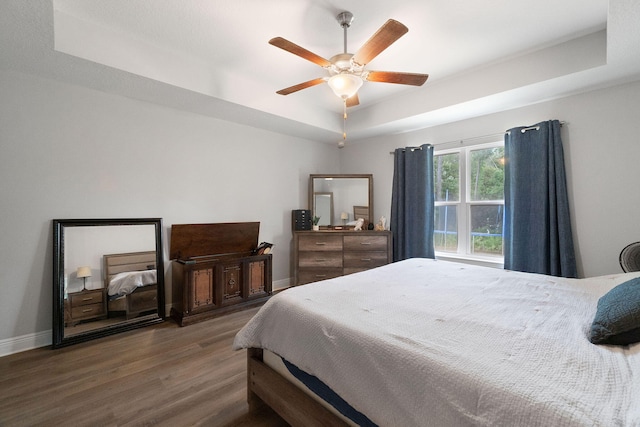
column 537, row 227
column 412, row 203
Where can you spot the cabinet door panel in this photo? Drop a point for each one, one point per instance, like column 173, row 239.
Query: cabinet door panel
column 202, row 288
column 256, row 277
column 231, row 283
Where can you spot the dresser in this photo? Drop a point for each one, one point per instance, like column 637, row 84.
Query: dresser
column 89, row 304
column 320, row 255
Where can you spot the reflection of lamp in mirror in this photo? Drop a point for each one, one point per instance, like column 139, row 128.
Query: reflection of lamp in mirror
column 83, row 273
column 344, row 217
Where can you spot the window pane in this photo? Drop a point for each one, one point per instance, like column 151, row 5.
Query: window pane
column 486, row 229
column 487, row 174
column 445, row 234
column 446, row 172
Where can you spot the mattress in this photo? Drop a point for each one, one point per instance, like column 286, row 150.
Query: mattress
column 425, row 342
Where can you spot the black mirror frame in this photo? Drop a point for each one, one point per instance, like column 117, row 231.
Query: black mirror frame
column 59, row 340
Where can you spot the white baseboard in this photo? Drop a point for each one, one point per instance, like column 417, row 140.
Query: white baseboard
column 25, row 342
column 279, row 285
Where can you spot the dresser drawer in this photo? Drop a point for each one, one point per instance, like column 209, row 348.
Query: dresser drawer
column 86, row 311
column 319, row 242
column 308, row 275
column 365, row 242
column 365, row 260
column 320, row 259
column 86, row 298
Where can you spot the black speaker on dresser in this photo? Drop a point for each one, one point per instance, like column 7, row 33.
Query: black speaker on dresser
column 301, row 219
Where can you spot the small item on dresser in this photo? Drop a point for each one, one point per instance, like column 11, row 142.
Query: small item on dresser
column 359, row 224
column 301, row 219
column 380, row 226
column 263, row 248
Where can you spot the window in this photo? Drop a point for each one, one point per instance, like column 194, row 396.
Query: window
column 469, row 212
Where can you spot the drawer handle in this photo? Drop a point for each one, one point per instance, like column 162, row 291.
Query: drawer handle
column 320, row 260
column 321, row 275
column 87, row 310
column 365, row 243
column 321, row 243
column 87, row 299
column 366, row 259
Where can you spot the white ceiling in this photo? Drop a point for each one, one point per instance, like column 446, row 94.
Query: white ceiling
column 212, row 57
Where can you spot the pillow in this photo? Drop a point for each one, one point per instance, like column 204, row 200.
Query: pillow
column 617, row 319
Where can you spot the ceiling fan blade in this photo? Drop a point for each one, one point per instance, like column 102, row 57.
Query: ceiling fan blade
column 414, row 79
column 300, row 51
column 300, row 86
column 391, row 31
column 353, row 100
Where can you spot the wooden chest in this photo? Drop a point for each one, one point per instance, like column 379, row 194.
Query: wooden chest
column 215, row 271
column 320, row 255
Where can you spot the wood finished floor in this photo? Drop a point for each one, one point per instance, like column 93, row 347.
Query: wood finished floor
column 162, row 375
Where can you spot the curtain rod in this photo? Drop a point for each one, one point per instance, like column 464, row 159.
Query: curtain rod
column 523, row 130
column 491, row 135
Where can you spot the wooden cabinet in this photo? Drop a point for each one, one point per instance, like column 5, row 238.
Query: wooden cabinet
column 320, row 255
column 206, row 285
column 89, row 304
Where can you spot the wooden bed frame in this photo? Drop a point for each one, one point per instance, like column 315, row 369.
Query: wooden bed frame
column 142, row 299
column 267, row 387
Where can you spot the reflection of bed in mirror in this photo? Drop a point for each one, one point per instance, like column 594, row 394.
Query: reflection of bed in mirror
column 131, row 283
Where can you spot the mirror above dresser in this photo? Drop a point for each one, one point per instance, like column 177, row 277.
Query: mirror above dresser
column 339, row 248
column 340, row 199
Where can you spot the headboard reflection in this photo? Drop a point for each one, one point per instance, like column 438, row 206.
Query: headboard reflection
column 131, row 284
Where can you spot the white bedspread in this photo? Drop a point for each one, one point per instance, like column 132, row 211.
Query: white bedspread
column 424, row 342
column 127, row 282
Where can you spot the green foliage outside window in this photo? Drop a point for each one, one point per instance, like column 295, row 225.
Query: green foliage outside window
column 486, row 183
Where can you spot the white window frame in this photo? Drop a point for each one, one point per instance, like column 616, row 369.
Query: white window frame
column 463, row 207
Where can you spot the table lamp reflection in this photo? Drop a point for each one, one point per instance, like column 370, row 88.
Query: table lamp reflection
column 344, row 217
column 83, row 273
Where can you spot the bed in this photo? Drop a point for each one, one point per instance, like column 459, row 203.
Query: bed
column 425, row 342
column 131, row 283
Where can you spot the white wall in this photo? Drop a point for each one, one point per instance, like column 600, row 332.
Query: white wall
column 602, row 152
column 69, row 152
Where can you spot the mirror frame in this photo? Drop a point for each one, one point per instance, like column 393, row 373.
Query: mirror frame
column 369, row 177
column 59, row 225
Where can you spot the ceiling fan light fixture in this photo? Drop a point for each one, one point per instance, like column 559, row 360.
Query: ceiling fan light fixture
column 345, row 85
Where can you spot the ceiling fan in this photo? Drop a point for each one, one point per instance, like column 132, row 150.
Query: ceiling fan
column 346, row 70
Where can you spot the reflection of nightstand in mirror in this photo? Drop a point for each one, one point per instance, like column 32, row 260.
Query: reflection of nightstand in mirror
column 90, row 304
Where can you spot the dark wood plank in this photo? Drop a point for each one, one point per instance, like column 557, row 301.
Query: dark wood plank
column 159, row 375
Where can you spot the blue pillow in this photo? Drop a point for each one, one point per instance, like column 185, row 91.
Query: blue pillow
column 617, row 319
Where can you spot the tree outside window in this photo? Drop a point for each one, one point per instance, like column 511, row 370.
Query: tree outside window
column 469, row 212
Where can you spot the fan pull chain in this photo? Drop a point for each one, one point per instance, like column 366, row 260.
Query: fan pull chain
column 344, row 124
